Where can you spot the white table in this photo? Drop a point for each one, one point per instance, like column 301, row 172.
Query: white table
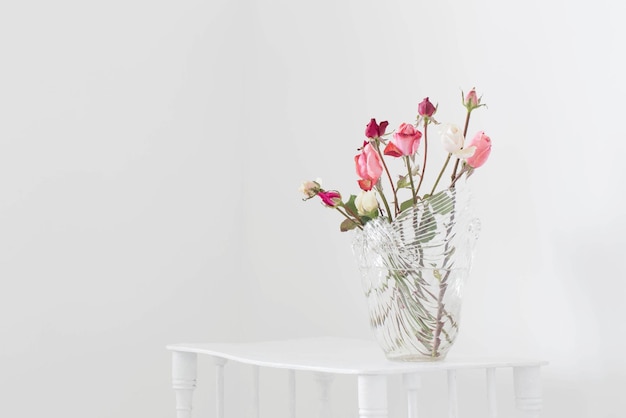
column 328, row 356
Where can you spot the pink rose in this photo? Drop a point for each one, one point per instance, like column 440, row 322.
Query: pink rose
column 406, row 141
column 426, row 108
column 482, row 145
column 368, row 163
column 330, row 198
column 373, row 130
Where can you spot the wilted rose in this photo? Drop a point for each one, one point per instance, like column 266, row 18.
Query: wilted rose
column 310, row 188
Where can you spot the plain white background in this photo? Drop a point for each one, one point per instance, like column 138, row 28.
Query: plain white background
column 151, row 152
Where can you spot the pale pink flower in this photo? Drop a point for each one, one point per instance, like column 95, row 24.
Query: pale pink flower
column 482, row 145
column 368, row 163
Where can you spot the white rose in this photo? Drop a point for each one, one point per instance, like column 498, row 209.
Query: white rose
column 366, row 202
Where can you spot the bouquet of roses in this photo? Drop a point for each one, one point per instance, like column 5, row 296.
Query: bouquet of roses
column 463, row 157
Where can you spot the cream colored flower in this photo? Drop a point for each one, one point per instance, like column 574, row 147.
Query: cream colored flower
column 366, row 202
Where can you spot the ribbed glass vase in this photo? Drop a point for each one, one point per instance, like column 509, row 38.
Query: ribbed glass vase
column 413, row 271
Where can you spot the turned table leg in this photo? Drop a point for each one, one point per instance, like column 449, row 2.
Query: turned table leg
column 372, row 396
column 527, row 384
column 219, row 386
column 324, row 381
column 411, row 383
column 184, row 370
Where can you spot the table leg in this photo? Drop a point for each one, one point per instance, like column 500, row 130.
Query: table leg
column 411, row 383
column 292, row 393
column 256, row 399
column 219, row 386
column 527, row 384
column 453, row 396
column 491, row 392
column 184, row 372
column 323, row 386
column 372, row 396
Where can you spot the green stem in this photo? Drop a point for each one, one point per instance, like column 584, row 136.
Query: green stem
column 382, row 196
column 408, row 166
column 463, row 171
column 426, row 121
column 456, row 164
column 353, row 218
column 440, row 174
column 393, row 189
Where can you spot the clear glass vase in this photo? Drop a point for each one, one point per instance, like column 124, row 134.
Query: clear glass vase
column 413, row 271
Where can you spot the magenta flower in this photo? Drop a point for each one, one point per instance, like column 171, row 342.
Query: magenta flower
column 373, row 130
column 426, row 108
column 368, row 163
column 482, row 144
column 330, row 198
column 406, row 141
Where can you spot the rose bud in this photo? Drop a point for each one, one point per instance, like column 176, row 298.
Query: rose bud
column 330, row 198
column 426, row 108
column 373, row 130
column 366, row 202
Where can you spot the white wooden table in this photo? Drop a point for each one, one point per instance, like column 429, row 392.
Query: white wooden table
column 328, row 356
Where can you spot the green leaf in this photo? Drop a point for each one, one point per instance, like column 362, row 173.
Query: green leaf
column 441, row 202
column 373, row 214
column 348, row 224
column 350, row 204
column 428, row 226
column 406, row 204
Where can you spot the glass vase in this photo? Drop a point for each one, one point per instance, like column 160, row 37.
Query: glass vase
column 413, row 271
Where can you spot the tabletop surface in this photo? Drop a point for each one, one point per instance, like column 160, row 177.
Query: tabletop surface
column 336, row 355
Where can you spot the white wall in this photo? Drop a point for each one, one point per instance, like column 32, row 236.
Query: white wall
column 113, row 240
column 150, row 155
